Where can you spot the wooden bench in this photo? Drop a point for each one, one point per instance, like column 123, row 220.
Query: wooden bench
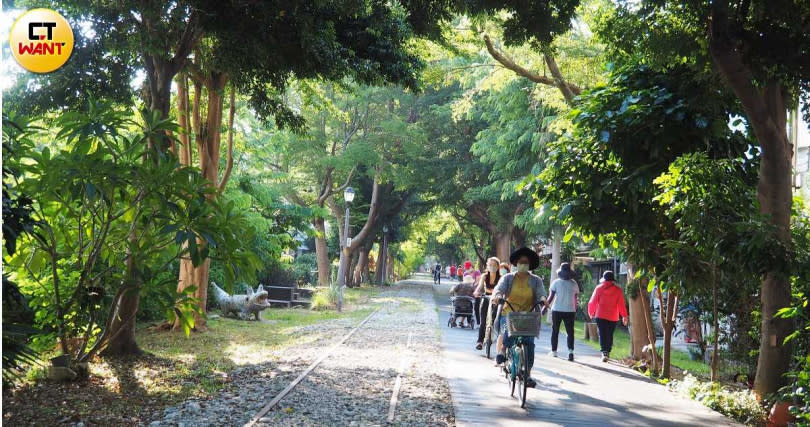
column 287, row 295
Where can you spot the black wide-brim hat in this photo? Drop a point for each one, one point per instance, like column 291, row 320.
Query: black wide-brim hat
column 534, row 259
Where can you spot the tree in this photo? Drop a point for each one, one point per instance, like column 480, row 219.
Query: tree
column 88, row 199
column 711, row 202
column 18, row 318
column 755, row 48
column 602, row 175
column 332, row 40
column 369, row 38
column 459, row 177
column 511, row 144
column 548, row 31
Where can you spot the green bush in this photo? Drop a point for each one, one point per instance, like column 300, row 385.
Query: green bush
column 302, row 269
column 741, row 405
column 107, row 223
column 325, row 298
column 798, row 392
column 277, row 273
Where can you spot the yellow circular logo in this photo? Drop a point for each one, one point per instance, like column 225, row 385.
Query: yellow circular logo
column 41, row 40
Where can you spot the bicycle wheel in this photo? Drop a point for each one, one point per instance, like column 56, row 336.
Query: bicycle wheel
column 510, row 375
column 518, row 365
column 488, row 343
column 512, row 381
column 524, row 375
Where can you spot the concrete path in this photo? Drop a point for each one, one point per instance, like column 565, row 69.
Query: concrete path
column 586, row 392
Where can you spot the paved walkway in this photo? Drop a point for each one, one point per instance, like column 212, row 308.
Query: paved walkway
column 585, row 392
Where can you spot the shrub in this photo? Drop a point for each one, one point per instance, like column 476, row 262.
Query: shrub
column 277, row 274
column 798, row 392
column 741, row 405
column 325, row 298
column 302, row 269
column 108, row 224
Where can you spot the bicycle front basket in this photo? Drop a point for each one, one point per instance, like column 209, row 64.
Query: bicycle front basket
column 522, row 324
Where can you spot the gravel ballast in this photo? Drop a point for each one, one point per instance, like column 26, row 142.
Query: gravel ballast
column 353, row 386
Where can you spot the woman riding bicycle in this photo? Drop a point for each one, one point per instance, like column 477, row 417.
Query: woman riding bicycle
column 486, row 284
column 524, row 291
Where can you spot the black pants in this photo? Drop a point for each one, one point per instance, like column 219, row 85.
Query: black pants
column 482, row 311
column 567, row 318
column 478, row 310
column 606, row 328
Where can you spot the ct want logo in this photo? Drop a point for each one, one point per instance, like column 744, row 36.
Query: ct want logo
column 41, row 40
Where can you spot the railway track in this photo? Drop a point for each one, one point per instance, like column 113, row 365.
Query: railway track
column 270, row 405
column 398, row 345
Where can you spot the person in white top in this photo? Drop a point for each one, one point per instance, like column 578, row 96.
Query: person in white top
column 563, row 300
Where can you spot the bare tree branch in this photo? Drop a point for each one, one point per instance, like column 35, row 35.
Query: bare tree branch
column 568, row 90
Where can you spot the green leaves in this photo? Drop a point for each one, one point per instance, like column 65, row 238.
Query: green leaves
column 99, row 207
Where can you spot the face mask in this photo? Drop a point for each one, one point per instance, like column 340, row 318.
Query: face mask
column 523, row 268
column 492, row 269
column 504, row 271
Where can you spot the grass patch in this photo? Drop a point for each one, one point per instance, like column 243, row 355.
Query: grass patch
column 128, row 391
column 621, row 347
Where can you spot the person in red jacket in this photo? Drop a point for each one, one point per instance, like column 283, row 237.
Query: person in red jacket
column 452, row 272
column 605, row 307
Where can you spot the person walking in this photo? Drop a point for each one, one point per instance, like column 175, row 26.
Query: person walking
column 452, row 272
column 563, row 295
column 606, row 306
column 460, row 272
column 483, row 293
column 476, row 274
column 523, row 290
column 437, row 274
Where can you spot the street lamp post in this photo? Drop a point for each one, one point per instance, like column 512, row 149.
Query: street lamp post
column 384, row 261
column 348, row 196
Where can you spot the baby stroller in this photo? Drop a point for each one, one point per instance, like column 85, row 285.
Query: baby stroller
column 462, row 306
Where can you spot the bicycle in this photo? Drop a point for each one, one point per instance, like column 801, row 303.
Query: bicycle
column 521, row 325
column 489, row 321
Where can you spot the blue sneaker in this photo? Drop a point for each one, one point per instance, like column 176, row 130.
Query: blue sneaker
column 500, row 359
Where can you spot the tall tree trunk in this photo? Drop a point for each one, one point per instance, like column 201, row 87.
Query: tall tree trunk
column 668, row 317
column 556, row 251
column 362, row 265
column 503, row 244
column 184, row 135
column 765, row 108
column 122, row 333
column 389, row 269
column 366, row 272
column 647, row 313
column 160, row 72
column 321, row 251
column 344, row 270
column 208, row 137
column 638, row 321
column 665, row 370
column 378, row 268
column 122, row 329
column 355, row 260
column 774, row 193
